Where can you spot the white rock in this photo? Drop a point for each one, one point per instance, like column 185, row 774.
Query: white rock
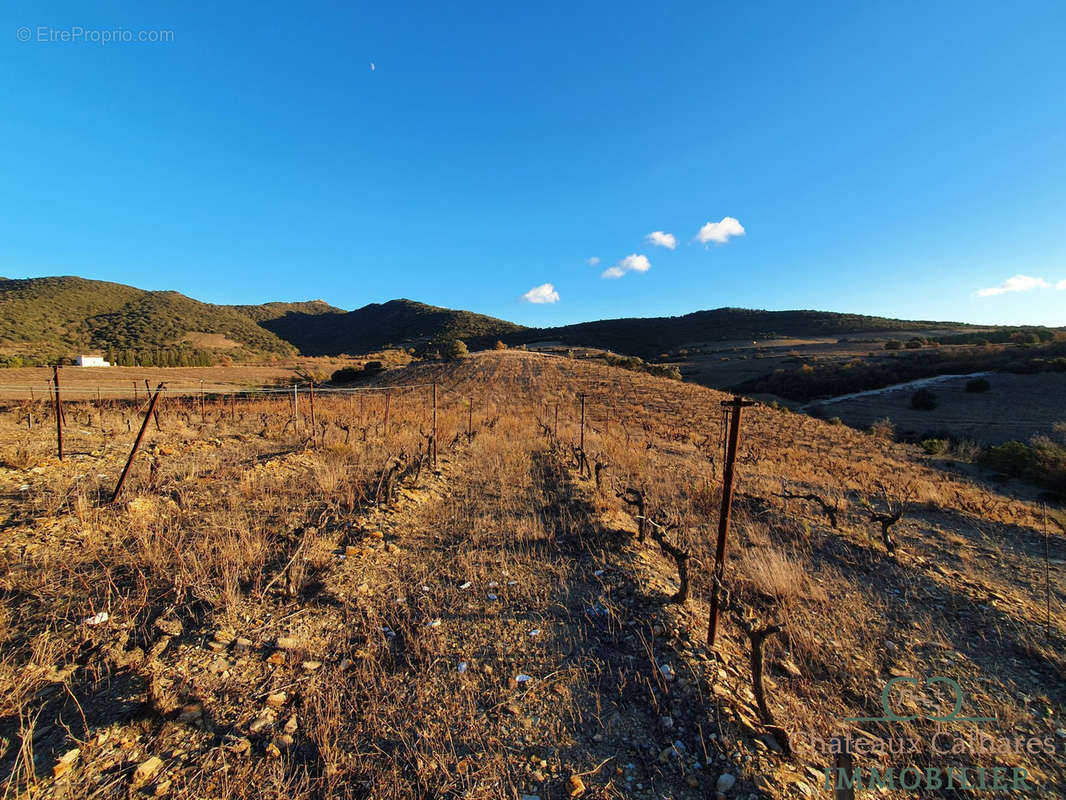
column 263, row 720
column 146, row 770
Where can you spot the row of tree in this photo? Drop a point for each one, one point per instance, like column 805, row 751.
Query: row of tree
column 166, row 357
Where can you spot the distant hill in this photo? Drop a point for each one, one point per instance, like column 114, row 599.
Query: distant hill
column 44, row 319
column 50, row 318
column 267, row 312
column 648, row 337
column 397, row 323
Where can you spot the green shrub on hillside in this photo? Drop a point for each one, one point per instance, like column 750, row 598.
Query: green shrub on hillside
column 451, row 349
column 978, row 385
column 935, row 447
column 923, row 400
column 353, row 374
column 18, row 361
column 346, row 375
column 1042, row 461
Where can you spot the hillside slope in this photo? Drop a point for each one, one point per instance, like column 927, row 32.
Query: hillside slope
column 378, row 325
column 265, row 312
column 52, row 317
column 56, row 317
column 647, row 337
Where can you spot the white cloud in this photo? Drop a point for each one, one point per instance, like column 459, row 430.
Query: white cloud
column 720, row 232
column 1019, row 283
column 631, row 263
column 1060, row 285
column 545, row 293
column 660, row 239
column 593, row 261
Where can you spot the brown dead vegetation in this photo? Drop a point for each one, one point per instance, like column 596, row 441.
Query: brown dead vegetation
column 288, row 616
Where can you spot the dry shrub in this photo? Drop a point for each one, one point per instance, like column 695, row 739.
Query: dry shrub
column 883, row 429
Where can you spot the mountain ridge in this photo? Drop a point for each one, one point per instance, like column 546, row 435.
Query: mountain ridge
column 55, row 317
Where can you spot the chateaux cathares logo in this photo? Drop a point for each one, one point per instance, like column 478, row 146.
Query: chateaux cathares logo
column 957, row 755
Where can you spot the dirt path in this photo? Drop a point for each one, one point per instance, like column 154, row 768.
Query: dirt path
column 506, row 651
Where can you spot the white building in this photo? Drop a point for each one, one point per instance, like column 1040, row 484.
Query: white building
column 91, row 361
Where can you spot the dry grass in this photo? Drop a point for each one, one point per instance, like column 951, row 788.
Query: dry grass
column 239, row 532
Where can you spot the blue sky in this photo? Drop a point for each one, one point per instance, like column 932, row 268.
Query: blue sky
column 881, row 158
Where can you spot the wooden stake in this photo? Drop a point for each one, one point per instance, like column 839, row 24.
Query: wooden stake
column 582, row 445
column 843, row 764
column 59, row 412
column 735, row 405
column 136, row 443
column 1047, row 577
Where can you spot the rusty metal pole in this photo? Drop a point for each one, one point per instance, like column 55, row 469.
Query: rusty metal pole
column 296, row 406
column 434, row 424
column 843, row 764
column 136, row 443
column 582, row 445
column 735, row 405
column 1047, row 577
column 59, row 412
